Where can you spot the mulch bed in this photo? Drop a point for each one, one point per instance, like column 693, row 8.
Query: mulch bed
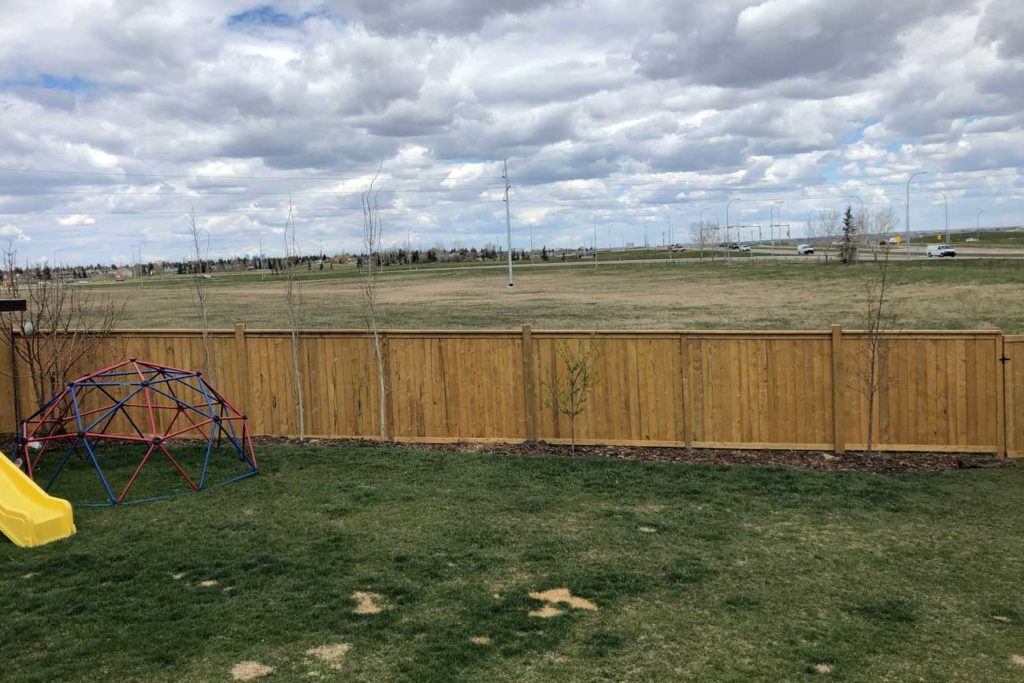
column 810, row 460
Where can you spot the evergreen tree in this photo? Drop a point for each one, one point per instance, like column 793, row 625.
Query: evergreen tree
column 848, row 246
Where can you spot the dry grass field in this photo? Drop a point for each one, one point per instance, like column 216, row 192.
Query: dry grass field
column 747, row 294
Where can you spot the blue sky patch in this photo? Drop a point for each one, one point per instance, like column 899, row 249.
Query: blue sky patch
column 264, row 15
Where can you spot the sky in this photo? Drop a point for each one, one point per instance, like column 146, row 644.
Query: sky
column 118, row 118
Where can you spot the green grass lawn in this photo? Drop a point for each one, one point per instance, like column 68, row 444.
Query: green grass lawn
column 698, row 573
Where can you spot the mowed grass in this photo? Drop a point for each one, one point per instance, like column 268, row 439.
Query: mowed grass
column 746, row 293
column 698, row 573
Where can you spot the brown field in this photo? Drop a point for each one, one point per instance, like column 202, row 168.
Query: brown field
column 946, row 295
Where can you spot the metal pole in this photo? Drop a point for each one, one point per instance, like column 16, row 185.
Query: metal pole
column 595, row 241
column 912, row 176
column 945, row 201
column 508, row 222
column 977, row 225
column 775, row 206
column 670, row 244
column 531, row 241
column 728, row 244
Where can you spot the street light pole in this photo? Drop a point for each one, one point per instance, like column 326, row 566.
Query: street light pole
column 727, row 243
column 508, row 221
column 670, row 243
column 945, row 201
column 977, row 225
column 595, row 241
column 775, row 206
column 910, row 178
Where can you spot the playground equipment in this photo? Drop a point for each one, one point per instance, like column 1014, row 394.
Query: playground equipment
column 28, row 516
column 137, row 402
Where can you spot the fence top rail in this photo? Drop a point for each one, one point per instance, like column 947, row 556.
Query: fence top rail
column 414, row 332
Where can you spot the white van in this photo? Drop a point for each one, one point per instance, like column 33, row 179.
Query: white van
column 804, row 249
column 940, row 250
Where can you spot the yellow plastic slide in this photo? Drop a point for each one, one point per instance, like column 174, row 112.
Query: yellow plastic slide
column 28, row 515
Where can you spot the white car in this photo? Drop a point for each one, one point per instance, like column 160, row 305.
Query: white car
column 803, row 249
column 744, row 248
column 940, row 250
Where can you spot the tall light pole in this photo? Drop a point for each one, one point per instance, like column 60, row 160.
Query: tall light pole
column 668, row 214
column 531, row 241
column 595, row 241
column 508, row 221
column 727, row 243
column 775, row 206
column 977, row 224
column 910, row 178
column 945, row 201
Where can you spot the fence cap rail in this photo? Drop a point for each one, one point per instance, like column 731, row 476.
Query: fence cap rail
column 517, row 331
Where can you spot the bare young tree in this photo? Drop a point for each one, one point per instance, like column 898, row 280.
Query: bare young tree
column 877, row 225
column 568, row 394
column 369, row 286
column 704, row 234
column 62, row 323
column 198, row 284
column 828, row 224
column 294, row 303
column 879, row 319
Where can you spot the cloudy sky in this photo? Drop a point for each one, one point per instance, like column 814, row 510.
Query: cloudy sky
column 116, row 119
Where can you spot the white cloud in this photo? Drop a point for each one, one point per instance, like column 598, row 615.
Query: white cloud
column 76, row 219
column 13, row 232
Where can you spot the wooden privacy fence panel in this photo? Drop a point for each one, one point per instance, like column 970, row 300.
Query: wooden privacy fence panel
column 761, row 390
column 936, row 393
column 452, row 386
column 637, row 397
column 772, row 389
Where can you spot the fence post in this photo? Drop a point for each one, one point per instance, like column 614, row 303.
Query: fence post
column 242, row 361
column 530, row 428
column 838, row 436
column 1000, row 398
column 389, row 413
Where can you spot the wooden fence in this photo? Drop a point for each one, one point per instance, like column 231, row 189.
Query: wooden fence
column 939, row 390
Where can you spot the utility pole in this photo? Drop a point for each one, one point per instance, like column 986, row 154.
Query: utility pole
column 595, row 241
column 508, row 221
column 911, row 177
column 408, row 248
column 977, row 224
column 531, row 241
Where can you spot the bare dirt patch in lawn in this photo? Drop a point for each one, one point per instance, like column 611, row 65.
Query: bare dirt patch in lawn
column 367, row 603
column 563, row 596
column 545, row 612
column 480, row 640
column 250, row 671
column 331, row 654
